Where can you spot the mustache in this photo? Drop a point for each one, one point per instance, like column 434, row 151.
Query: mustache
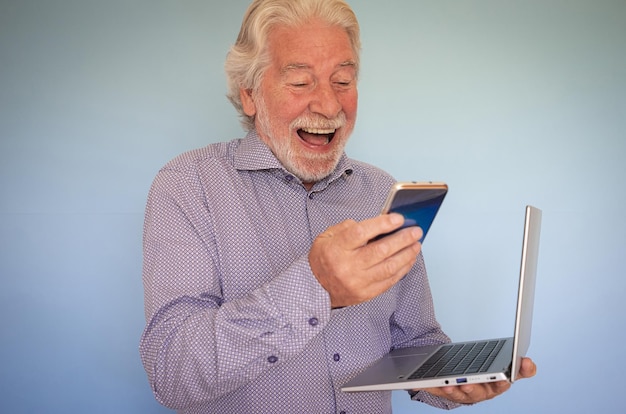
column 319, row 122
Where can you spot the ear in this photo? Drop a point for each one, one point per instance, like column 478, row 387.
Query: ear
column 247, row 102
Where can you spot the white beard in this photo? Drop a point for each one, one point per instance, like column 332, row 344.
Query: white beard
column 309, row 167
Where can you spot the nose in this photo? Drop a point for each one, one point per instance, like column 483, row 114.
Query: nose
column 325, row 101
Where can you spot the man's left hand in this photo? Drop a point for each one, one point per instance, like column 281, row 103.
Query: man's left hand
column 473, row 393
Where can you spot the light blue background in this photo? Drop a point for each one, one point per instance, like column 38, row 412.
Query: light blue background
column 509, row 102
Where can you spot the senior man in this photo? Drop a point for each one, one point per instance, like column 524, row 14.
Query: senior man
column 262, row 292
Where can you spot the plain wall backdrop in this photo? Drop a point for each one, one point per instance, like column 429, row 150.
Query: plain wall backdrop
column 509, row 102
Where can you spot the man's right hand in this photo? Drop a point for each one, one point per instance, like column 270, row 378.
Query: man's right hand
column 354, row 269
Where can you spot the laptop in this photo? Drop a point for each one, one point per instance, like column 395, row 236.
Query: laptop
column 464, row 362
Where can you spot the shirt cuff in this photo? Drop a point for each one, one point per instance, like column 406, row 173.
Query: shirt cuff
column 423, row 396
column 298, row 296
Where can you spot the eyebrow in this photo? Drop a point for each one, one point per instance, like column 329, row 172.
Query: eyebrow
column 296, row 66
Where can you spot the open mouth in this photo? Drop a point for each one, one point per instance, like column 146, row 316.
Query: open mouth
column 316, row 137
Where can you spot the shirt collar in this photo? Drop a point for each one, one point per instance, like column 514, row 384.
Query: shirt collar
column 253, row 154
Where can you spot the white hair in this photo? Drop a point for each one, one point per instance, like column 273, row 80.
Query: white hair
column 248, row 58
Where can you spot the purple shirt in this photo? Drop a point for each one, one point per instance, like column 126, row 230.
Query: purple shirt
column 237, row 323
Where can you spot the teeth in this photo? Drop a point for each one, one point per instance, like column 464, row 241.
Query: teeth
column 318, row 131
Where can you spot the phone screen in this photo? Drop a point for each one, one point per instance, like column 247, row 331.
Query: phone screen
column 418, row 203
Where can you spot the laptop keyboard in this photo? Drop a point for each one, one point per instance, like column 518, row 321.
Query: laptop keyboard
column 457, row 359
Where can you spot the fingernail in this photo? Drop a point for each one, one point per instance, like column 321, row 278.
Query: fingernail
column 396, row 218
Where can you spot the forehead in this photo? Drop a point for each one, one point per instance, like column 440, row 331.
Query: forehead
column 312, row 44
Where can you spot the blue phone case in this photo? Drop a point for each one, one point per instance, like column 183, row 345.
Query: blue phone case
column 417, row 202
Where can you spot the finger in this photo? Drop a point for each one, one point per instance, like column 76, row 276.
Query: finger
column 528, row 368
column 393, row 251
column 487, row 391
column 470, row 393
column 384, row 276
column 359, row 235
column 450, row 393
column 380, row 278
column 338, row 229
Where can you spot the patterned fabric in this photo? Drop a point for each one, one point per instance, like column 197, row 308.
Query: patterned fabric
column 237, row 323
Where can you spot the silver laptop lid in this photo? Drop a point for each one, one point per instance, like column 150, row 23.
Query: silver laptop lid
column 526, row 294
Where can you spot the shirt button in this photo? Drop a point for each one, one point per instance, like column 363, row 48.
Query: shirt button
column 272, row 359
column 311, row 196
column 336, row 357
column 289, row 178
column 313, row 321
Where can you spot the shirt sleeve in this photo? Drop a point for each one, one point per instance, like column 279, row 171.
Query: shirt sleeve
column 424, row 397
column 196, row 346
column 414, row 323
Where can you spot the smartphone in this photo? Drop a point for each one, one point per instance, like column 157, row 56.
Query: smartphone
column 418, row 202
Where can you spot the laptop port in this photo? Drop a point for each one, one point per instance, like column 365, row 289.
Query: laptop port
column 461, row 380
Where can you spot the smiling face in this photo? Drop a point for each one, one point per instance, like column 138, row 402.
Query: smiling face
column 305, row 107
